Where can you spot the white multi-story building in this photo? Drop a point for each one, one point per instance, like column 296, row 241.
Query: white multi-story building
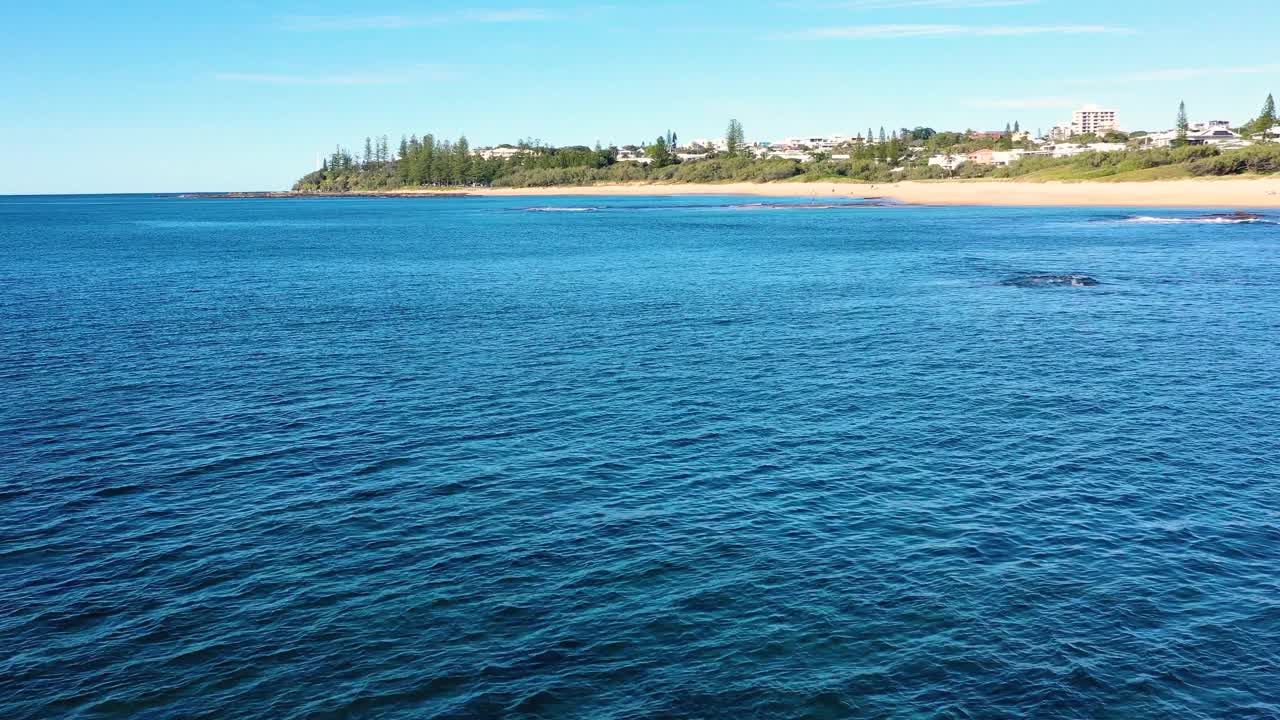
column 1093, row 119
column 1061, row 132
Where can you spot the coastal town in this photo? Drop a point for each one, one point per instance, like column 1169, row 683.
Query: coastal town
column 1093, row 144
column 1091, row 129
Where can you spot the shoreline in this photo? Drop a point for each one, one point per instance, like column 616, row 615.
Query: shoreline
column 1227, row 193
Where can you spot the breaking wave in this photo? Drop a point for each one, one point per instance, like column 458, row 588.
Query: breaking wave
column 1225, row 219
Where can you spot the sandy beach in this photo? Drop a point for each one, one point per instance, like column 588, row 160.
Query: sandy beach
column 1198, row 193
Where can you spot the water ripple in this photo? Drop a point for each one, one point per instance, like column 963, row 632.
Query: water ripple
column 449, row 459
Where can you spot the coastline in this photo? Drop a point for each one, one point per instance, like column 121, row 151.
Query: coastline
column 1216, row 193
column 1226, row 193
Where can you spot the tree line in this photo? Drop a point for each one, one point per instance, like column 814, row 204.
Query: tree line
column 881, row 156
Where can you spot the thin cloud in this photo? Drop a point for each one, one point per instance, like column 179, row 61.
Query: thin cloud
column 479, row 16
column 1031, row 103
column 1177, row 74
column 936, row 4
column 390, row 77
column 914, row 31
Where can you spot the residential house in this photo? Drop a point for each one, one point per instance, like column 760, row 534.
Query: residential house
column 993, row 157
column 634, row 155
column 948, row 161
column 501, row 152
column 1217, row 135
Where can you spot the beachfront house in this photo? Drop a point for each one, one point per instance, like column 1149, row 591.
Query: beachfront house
column 993, row 157
column 1065, row 150
column 814, row 142
column 1220, row 135
column 947, row 161
column 1162, row 139
column 1217, row 133
column 635, row 155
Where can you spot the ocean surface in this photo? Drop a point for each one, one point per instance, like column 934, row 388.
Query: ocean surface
column 609, row 458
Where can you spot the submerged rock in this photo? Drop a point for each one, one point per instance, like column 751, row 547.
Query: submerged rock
column 1237, row 216
column 1073, row 280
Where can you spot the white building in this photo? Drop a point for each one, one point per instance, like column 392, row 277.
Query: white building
column 1064, row 150
column 1093, row 119
column 1060, row 133
column 719, row 144
column 947, row 162
column 815, row 142
column 1213, row 132
column 1209, row 124
column 1219, row 135
column 1160, row 139
column 502, row 152
column 635, row 156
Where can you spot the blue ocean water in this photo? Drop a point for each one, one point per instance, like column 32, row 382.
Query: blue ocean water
column 655, row 458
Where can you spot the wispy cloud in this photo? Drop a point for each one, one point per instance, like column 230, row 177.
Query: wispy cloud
column 913, row 31
column 936, row 4
column 1176, row 74
column 479, row 16
column 388, row 77
column 1029, row 103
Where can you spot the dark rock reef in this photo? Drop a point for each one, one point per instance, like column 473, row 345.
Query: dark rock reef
column 1040, row 281
column 1237, row 216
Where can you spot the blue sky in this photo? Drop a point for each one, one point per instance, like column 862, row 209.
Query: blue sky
column 160, row 96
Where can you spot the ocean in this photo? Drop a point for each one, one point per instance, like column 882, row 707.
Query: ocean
column 706, row 457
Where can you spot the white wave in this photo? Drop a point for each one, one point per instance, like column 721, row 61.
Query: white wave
column 1143, row 219
column 561, row 209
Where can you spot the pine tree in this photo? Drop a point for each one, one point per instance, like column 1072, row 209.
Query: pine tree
column 1183, row 125
column 1267, row 118
column 734, row 138
column 368, row 151
column 660, row 152
column 1016, row 128
column 462, row 161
